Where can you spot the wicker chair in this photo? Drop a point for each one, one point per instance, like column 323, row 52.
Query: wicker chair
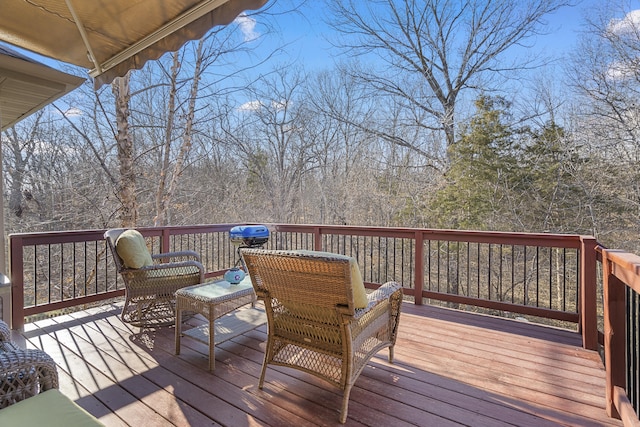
column 29, row 394
column 24, row 373
column 5, row 338
column 313, row 324
column 150, row 290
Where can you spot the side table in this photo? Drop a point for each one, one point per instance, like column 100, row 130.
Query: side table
column 212, row 300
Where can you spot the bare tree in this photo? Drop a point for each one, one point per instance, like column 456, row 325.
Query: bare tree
column 165, row 192
column 53, row 182
column 339, row 145
column 268, row 136
column 19, row 149
column 189, row 85
column 605, row 75
column 431, row 51
column 124, row 140
column 360, row 179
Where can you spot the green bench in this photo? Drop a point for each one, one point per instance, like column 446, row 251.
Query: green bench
column 29, row 394
column 50, row 408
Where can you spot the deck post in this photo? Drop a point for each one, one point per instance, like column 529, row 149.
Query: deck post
column 17, row 282
column 419, row 264
column 588, row 293
column 614, row 334
column 165, row 240
column 317, row 239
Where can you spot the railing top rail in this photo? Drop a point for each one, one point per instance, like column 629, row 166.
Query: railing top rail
column 492, row 237
column 57, row 236
column 89, row 235
column 498, row 237
column 625, row 266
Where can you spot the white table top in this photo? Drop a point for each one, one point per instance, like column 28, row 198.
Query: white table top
column 214, row 290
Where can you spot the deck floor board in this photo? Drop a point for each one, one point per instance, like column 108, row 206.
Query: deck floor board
column 451, row 368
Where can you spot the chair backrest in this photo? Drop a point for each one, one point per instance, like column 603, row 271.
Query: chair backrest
column 111, row 236
column 297, row 279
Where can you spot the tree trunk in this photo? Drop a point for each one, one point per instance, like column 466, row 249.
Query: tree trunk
column 161, row 198
column 165, row 193
column 127, row 188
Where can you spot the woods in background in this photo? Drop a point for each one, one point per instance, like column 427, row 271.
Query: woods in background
column 448, row 130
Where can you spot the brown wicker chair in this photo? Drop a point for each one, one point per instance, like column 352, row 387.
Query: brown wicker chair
column 150, row 290
column 313, row 324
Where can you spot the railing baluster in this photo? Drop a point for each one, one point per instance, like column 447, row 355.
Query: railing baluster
column 49, row 273
column 564, row 279
column 61, row 272
column 85, row 269
column 500, row 273
column 524, row 274
column 489, row 271
column 73, row 275
column 633, row 348
column 514, row 272
column 551, row 278
column 468, row 272
column 35, row 276
column 446, row 272
column 478, row 272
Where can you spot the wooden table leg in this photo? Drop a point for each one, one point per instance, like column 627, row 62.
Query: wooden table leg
column 212, row 357
column 178, row 328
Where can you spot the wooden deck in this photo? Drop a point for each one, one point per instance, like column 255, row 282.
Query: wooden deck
column 451, row 368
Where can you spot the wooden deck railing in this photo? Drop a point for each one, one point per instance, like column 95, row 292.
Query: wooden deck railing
column 621, row 283
column 549, row 276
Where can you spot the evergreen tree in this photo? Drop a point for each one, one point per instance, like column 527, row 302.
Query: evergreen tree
column 484, row 167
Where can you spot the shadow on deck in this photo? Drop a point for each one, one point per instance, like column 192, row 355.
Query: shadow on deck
column 451, row 368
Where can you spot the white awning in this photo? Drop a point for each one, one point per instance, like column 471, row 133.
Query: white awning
column 110, row 37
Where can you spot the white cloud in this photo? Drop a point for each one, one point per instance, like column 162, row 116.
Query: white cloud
column 73, row 112
column 629, row 24
column 247, row 26
column 617, row 71
column 250, row 106
column 279, row 105
column 627, row 27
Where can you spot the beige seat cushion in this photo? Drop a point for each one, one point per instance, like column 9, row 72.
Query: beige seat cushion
column 132, row 248
column 50, row 408
column 357, row 285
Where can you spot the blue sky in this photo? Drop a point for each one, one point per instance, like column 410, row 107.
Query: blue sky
column 306, row 34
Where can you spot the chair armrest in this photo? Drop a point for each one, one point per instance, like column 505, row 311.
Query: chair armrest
column 384, row 303
column 8, row 346
column 188, row 255
column 5, row 338
column 171, row 265
column 5, row 332
column 383, row 293
column 25, row 373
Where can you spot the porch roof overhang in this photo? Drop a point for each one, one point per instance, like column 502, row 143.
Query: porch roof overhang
column 110, row 37
column 26, row 86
